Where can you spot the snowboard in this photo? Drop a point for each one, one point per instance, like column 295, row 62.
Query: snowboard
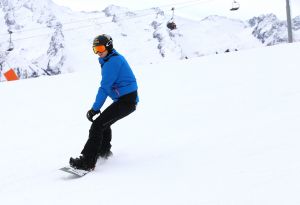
column 75, row 172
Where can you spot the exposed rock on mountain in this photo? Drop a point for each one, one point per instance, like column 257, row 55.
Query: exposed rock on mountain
column 48, row 39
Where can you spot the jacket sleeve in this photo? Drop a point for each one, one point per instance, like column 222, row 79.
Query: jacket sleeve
column 109, row 75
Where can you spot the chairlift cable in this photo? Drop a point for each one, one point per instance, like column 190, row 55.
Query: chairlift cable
column 103, row 17
column 192, row 4
column 82, row 27
column 102, row 23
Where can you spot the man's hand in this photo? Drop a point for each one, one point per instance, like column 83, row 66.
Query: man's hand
column 91, row 113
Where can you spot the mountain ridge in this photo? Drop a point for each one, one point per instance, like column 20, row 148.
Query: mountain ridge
column 46, row 36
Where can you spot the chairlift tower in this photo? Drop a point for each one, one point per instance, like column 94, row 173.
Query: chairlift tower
column 289, row 21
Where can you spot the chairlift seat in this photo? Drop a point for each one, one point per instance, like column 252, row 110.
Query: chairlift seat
column 234, row 9
column 235, row 6
column 171, row 25
column 11, row 45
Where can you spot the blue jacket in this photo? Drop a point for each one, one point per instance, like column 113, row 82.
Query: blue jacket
column 117, row 79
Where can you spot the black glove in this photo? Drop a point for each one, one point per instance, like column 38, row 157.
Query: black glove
column 91, row 113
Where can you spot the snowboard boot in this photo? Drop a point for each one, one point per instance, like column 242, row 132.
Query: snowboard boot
column 104, row 155
column 84, row 163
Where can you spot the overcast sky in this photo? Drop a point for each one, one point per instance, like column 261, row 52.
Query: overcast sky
column 193, row 8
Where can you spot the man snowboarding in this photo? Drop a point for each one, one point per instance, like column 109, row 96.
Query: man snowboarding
column 119, row 83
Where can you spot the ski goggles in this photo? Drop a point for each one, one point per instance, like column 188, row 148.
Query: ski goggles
column 100, row 49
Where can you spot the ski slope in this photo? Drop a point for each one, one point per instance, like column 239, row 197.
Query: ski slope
column 221, row 129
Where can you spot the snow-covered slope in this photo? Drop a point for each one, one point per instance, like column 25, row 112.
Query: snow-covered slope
column 222, row 129
column 49, row 39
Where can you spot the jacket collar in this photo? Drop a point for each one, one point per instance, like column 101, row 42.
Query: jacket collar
column 106, row 58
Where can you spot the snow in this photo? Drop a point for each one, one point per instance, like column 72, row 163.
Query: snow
column 63, row 38
column 221, row 129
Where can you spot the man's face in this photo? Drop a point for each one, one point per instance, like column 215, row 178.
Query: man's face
column 102, row 54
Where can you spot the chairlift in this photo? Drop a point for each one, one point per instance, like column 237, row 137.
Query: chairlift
column 171, row 24
column 11, row 45
column 235, row 6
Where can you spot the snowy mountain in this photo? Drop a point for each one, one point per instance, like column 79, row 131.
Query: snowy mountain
column 221, row 129
column 270, row 30
column 34, row 55
column 49, row 39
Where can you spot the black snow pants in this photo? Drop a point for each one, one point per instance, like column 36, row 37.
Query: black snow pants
column 100, row 133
